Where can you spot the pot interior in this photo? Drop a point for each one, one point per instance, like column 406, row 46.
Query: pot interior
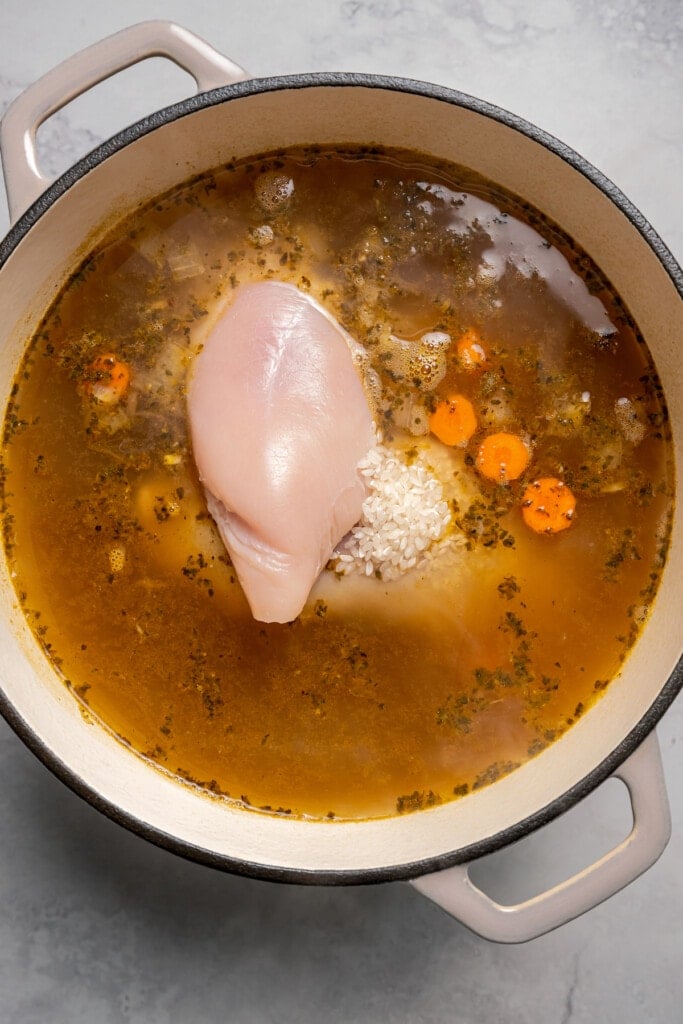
column 258, row 117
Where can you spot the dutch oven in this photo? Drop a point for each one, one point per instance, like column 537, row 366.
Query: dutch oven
column 231, row 116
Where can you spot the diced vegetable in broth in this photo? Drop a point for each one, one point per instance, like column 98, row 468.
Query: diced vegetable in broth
column 520, row 490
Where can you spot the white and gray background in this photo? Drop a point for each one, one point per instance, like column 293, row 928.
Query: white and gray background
column 98, row 927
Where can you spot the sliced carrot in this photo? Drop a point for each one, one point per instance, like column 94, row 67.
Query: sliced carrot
column 470, row 349
column 109, row 378
column 453, row 421
column 548, row 505
column 502, row 457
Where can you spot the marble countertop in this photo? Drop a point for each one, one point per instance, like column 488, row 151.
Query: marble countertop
column 97, row 926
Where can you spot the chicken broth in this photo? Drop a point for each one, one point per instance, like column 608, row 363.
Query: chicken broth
column 504, row 367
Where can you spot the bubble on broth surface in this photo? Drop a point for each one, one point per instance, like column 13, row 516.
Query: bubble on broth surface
column 261, row 236
column 273, row 191
column 422, row 363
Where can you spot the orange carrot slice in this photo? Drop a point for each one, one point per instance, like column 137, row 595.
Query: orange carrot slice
column 470, row 349
column 548, row 505
column 502, row 457
column 110, row 378
column 453, row 421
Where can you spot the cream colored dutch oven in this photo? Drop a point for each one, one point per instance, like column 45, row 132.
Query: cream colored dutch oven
column 54, row 223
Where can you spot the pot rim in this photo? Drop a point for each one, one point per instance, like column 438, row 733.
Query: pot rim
column 665, row 696
column 276, row 83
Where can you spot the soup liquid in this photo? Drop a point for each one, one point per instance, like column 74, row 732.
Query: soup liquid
column 383, row 696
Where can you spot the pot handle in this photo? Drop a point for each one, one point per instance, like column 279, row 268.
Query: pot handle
column 24, row 181
column 454, row 891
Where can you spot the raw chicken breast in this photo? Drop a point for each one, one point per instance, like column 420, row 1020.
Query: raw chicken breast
column 279, row 422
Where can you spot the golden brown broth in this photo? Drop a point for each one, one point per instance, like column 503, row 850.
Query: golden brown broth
column 381, row 695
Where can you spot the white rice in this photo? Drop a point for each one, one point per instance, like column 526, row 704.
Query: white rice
column 404, row 515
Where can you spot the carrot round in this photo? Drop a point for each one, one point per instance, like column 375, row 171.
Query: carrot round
column 502, row 457
column 470, row 349
column 453, row 421
column 548, row 505
column 109, row 378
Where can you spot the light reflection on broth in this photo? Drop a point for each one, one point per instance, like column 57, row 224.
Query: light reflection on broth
column 382, row 696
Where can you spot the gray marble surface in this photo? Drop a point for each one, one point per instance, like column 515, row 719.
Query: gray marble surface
column 98, row 927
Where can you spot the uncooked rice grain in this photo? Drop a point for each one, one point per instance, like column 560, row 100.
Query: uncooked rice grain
column 404, row 515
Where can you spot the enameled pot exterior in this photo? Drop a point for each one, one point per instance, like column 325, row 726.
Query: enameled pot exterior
column 243, row 119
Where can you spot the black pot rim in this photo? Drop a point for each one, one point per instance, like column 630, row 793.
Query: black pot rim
column 625, row 748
